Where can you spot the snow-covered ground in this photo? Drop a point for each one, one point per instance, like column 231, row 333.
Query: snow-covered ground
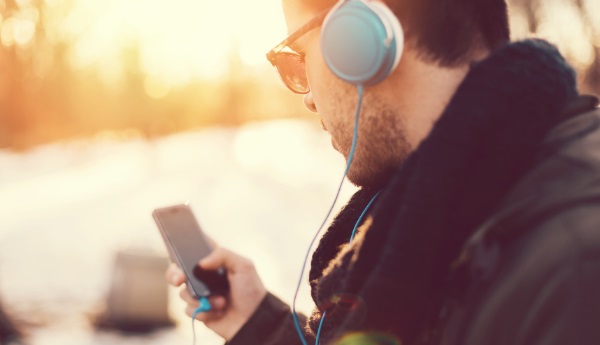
column 66, row 209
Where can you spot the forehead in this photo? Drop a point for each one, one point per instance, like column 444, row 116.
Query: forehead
column 297, row 13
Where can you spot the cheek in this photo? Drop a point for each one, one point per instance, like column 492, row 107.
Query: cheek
column 323, row 84
column 331, row 97
column 317, row 73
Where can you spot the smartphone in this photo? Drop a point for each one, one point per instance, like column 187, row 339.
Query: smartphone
column 187, row 244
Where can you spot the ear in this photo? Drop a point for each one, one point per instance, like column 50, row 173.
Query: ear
column 361, row 41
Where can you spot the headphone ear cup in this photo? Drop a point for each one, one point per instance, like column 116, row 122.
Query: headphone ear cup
column 397, row 33
column 362, row 42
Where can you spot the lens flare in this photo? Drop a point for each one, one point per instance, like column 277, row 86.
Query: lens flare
column 368, row 338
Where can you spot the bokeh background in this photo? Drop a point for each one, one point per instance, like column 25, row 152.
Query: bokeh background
column 109, row 109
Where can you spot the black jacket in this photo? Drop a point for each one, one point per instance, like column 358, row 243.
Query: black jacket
column 488, row 234
column 531, row 274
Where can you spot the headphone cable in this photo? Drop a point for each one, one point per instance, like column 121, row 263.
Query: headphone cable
column 203, row 307
column 360, row 89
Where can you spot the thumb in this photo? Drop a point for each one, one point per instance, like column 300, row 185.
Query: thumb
column 221, row 257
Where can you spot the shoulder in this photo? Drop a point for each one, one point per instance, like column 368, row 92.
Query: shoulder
column 556, row 204
column 543, row 287
column 554, row 211
column 549, row 228
column 539, row 288
column 533, row 270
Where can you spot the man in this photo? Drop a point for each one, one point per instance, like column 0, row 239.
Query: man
column 486, row 229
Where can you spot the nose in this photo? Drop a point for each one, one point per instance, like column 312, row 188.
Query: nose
column 309, row 102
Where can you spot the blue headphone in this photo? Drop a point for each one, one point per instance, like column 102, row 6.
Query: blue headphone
column 361, row 41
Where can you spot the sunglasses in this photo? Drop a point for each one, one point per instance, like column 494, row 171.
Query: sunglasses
column 290, row 64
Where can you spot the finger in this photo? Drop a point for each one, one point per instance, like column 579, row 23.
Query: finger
column 175, row 275
column 221, row 257
column 215, row 316
column 185, row 295
column 203, row 317
column 217, row 303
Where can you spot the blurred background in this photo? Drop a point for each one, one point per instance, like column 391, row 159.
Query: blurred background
column 109, row 109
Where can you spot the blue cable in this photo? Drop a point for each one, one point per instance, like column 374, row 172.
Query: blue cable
column 364, row 212
column 360, row 89
column 204, row 307
column 320, row 326
column 351, row 238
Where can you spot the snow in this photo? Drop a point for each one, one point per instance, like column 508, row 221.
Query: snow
column 261, row 190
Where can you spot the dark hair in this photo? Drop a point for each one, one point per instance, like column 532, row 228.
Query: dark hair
column 447, row 31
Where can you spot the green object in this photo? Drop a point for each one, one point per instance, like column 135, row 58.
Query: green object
column 372, row 338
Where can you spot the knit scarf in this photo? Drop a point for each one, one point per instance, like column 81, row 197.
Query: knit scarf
column 391, row 278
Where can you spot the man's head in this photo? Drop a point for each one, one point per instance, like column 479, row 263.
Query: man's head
column 447, row 32
column 442, row 39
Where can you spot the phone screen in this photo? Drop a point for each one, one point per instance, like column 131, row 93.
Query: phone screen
column 187, row 245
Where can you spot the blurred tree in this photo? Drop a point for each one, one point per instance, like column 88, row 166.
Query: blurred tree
column 532, row 10
column 44, row 96
column 11, row 87
column 592, row 73
column 35, row 81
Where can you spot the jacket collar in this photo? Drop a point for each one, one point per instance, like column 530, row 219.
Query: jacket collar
column 574, row 180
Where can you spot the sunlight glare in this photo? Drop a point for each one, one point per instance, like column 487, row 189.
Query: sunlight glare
column 258, row 35
column 7, row 32
column 563, row 26
column 23, row 32
column 23, row 3
column 593, row 10
column 252, row 54
column 155, row 87
column 110, row 72
column 178, row 40
column 519, row 28
column 52, row 3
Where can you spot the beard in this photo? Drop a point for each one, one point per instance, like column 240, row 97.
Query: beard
column 382, row 145
column 380, row 150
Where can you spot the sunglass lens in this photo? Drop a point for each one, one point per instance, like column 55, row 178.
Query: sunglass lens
column 292, row 72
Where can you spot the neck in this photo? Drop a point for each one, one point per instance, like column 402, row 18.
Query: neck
column 427, row 89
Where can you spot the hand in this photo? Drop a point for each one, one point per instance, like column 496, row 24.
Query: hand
column 228, row 313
